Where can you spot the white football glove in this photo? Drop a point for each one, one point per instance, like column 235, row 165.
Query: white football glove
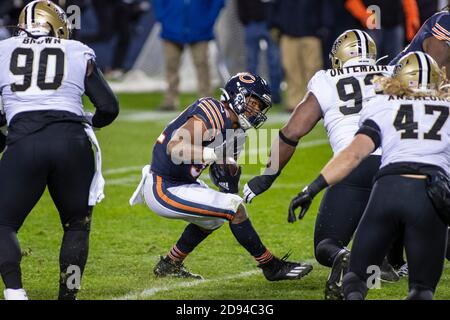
column 248, row 194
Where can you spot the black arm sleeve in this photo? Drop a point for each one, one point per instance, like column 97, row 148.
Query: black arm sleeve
column 104, row 100
column 2, row 136
column 372, row 130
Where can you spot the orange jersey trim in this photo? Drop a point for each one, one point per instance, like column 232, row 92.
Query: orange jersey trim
column 175, row 204
column 213, row 106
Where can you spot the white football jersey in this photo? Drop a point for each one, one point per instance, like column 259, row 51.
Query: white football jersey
column 342, row 94
column 42, row 74
column 412, row 129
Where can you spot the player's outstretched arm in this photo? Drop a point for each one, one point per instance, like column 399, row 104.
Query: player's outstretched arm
column 101, row 95
column 334, row 171
column 302, row 121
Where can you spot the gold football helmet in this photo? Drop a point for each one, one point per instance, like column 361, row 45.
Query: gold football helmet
column 43, row 17
column 353, row 44
column 419, row 72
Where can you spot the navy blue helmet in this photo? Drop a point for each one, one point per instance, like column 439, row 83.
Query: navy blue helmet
column 241, row 86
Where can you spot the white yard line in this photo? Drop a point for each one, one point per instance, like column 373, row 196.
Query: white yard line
column 150, row 292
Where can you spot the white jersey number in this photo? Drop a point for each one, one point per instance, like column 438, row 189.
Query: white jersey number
column 22, row 60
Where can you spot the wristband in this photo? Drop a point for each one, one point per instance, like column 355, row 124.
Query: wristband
column 286, row 140
column 317, row 185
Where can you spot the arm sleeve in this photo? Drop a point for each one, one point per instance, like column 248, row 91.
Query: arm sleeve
column 3, row 130
column 104, row 100
column 372, row 130
column 441, row 29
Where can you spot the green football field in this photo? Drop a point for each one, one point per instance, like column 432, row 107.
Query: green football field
column 126, row 242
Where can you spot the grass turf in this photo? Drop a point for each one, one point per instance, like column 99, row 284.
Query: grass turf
column 126, row 241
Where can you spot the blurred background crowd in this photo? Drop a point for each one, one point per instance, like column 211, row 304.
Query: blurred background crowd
column 174, row 45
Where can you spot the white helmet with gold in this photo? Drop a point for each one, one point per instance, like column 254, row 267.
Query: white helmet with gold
column 42, row 18
column 419, row 72
column 355, row 46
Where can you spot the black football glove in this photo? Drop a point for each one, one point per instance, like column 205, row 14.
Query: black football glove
column 303, row 200
column 222, row 178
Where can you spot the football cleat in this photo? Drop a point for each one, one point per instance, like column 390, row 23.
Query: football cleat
column 15, row 294
column 388, row 273
column 168, row 268
column 333, row 286
column 403, row 271
column 281, row 269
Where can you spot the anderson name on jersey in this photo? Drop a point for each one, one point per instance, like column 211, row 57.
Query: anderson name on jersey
column 46, row 73
column 342, row 94
column 410, row 129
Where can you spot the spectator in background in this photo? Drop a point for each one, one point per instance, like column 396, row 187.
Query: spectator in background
column 336, row 19
column 253, row 14
column 399, row 18
column 116, row 18
column 429, row 7
column 186, row 24
column 298, row 22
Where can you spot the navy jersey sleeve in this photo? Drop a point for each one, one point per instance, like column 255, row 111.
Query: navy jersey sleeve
column 441, row 28
column 211, row 113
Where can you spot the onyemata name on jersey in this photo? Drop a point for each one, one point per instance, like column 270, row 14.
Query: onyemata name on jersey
column 410, row 129
column 43, row 73
column 342, row 95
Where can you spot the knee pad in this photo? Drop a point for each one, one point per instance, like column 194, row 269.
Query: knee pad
column 326, row 250
column 354, row 287
column 420, row 293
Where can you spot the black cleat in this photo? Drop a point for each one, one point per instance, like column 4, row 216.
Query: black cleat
column 388, row 273
column 281, row 269
column 168, row 268
column 333, row 286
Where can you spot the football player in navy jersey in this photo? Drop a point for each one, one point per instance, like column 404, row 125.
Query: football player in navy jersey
column 433, row 38
column 200, row 136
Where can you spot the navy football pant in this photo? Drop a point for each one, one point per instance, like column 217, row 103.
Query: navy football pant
column 341, row 209
column 59, row 157
column 400, row 203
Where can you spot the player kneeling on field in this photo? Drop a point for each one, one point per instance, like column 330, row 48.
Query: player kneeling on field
column 205, row 133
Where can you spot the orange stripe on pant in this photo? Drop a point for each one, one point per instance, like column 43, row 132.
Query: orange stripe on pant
column 175, row 204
